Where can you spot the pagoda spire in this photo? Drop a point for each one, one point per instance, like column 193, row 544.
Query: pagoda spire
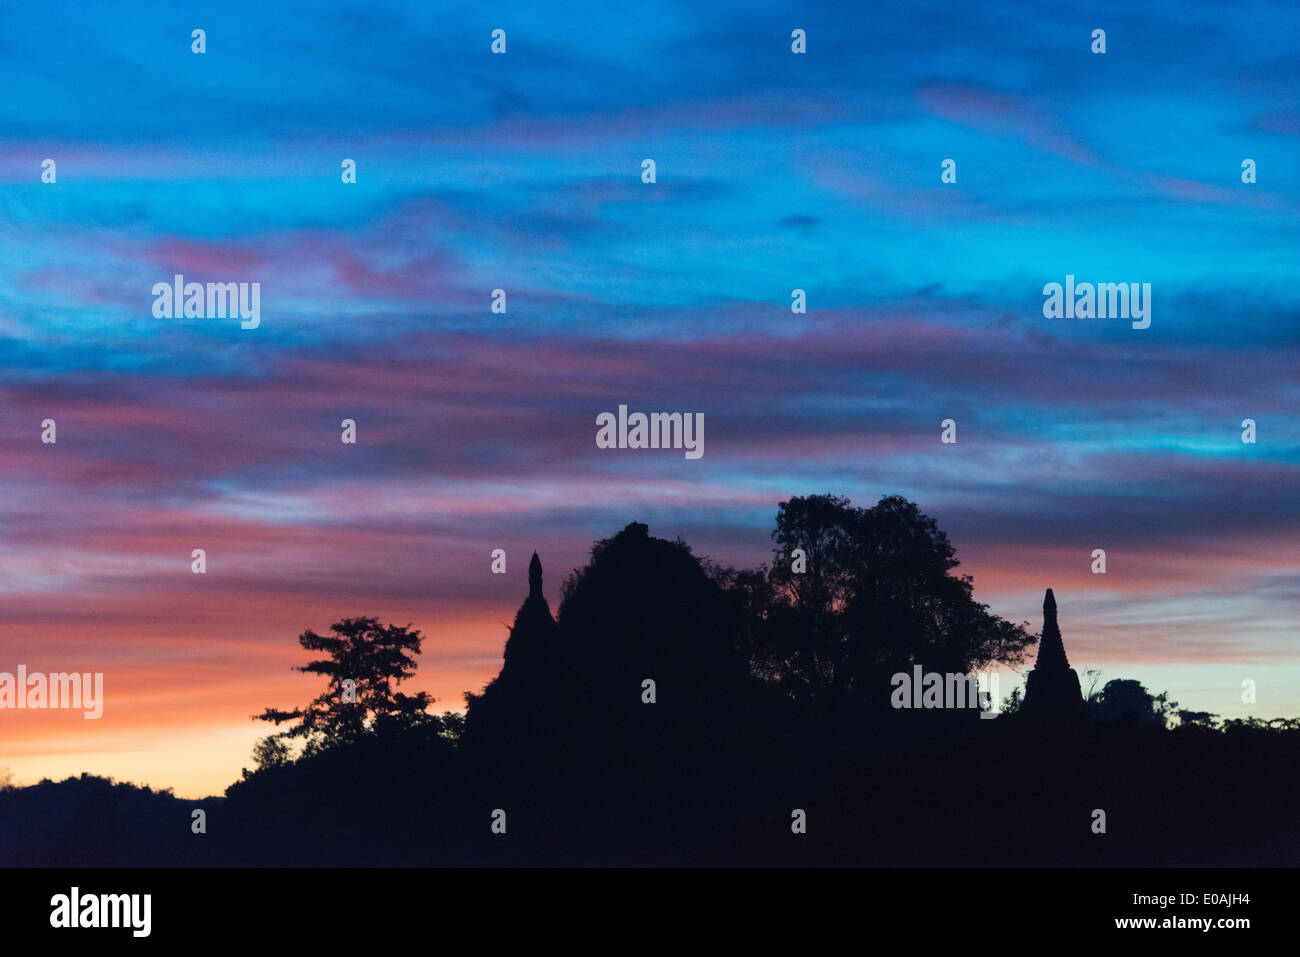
column 535, row 577
column 1051, row 650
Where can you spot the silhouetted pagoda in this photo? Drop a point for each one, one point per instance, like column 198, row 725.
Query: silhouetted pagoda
column 1052, row 690
column 503, row 717
column 534, row 631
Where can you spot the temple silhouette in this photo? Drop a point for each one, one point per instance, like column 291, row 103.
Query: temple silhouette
column 534, row 630
column 503, row 716
column 1052, row 690
column 627, row 729
column 634, row 675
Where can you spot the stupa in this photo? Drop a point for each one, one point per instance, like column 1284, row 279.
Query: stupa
column 1052, row 690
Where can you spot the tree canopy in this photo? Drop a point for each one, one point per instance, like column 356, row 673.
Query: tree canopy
column 364, row 662
column 874, row 592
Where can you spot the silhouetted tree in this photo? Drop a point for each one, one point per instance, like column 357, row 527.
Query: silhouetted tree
column 877, row 595
column 827, row 529
column 1240, row 725
column 1197, row 719
column 270, row 752
column 1126, row 701
column 375, row 658
column 806, row 639
column 750, row 594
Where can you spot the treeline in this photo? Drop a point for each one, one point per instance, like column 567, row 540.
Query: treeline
column 676, row 711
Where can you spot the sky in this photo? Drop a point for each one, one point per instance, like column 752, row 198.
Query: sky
column 775, row 171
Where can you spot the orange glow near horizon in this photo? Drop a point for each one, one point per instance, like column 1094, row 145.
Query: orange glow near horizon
column 196, row 735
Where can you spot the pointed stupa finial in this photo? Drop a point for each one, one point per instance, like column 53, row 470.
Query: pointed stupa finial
column 1051, row 650
column 535, row 577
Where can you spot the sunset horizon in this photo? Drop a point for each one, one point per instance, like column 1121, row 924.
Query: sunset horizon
column 199, row 750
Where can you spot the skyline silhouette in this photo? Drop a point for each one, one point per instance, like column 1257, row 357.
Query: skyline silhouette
column 678, row 712
column 1049, row 688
